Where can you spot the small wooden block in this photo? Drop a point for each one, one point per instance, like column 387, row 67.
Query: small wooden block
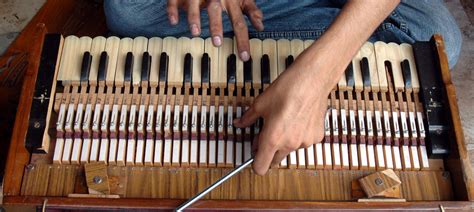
column 384, row 183
column 97, row 178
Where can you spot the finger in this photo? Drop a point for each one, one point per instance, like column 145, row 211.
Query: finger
column 267, row 146
column 249, row 117
column 214, row 10
column 172, row 10
column 279, row 156
column 240, row 30
column 194, row 18
column 255, row 15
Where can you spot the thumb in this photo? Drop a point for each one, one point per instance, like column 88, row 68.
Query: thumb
column 249, row 117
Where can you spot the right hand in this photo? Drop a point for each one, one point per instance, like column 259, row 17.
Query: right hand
column 234, row 8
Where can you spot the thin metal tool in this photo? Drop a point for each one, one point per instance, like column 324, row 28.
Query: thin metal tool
column 214, row 185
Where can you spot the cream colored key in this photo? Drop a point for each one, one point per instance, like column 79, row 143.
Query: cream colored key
column 326, row 147
column 363, row 157
column 182, row 48
column 76, row 151
column 370, row 147
column 107, row 150
column 367, row 50
column 112, row 46
column 68, row 56
column 58, row 149
column 239, row 66
column 212, row 151
column 88, row 142
column 353, row 146
column 170, row 47
column 125, row 47
column 140, row 45
column 155, row 46
column 122, row 141
column 283, row 48
column 213, row 53
column 225, row 50
column 247, row 145
column 319, row 155
column 406, row 52
column 197, row 50
column 336, row 147
column 269, row 47
column 423, row 154
column 344, row 146
column 256, row 53
column 297, row 46
column 77, row 146
column 301, row 158
column 97, row 47
column 203, row 141
column 67, row 151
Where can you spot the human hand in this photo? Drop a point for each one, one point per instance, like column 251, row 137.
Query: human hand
column 234, row 8
column 293, row 109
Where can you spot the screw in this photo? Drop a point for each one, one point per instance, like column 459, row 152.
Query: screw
column 378, row 181
column 97, row 180
column 445, row 175
column 37, row 124
column 30, row 167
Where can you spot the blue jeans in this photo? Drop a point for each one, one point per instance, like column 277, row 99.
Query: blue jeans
column 412, row 20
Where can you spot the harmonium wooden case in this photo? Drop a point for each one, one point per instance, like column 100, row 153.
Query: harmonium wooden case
column 158, row 113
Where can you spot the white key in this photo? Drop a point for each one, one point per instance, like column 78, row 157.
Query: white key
column 139, row 152
column 221, row 141
column 58, row 151
column 403, row 117
column 310, row 157
column 67, row 151
column 363, row 155
column 360, row 114
column 371, row 156
column 370, row 127
column 388, row 156
column 175, row 158
column 94, row 156
column 158, row 153
column 396, row 127
column 229, row 143
column 194, row 134
column 69, row 118
column 388, row 128
column 424, row 157
column 121, row 151
column 185, row 141
column 319, row 155
column 141, row 119
column 406, row 157
column 397, row 157
column 132, row 142
column 327, row 155
column 335, row 146
column 239, row 146
column 345, row 155
column 421, row 126
column 344, row 122
column 85, row 150
column 149, row 147
column 354, row 156
column 61, row 118
column 203, row 143
column 379, row 153
column 168, row 142
column 301, row 158
column 212, row 142
column 112, row 156
column 336, row 154
column 293, row 160
column 414, row 157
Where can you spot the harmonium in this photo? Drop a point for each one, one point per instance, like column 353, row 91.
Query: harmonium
column 156, row 114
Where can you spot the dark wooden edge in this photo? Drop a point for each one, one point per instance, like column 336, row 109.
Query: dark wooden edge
column 18, row 155
column 455, row 118
column 97, row 203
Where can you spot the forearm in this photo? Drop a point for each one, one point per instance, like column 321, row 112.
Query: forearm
column 352, row 27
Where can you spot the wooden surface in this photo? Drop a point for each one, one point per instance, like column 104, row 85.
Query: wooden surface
column 21, row 61
column 182, row 183
column 379, row 183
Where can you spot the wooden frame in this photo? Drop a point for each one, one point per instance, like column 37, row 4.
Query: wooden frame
column 19, row 157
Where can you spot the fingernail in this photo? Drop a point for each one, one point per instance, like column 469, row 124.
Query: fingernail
column 244, row 56
column 173, row 20
column 217, row 40
column 194, row 30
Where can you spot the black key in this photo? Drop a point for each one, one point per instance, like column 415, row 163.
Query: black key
column 188, row 68
column 265, row 68
column 146, row 66
column 289, row 60
column 364, row 67
column 86, row 66
column 103, row 64
column 350, row 75
column 128, row 67
column 205, row 68
column 164, row 59
column 406, row 73
column 231, row 66
column 248, row 71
